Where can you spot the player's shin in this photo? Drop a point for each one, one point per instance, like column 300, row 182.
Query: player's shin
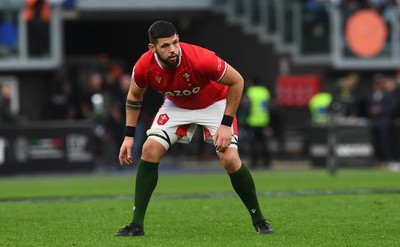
column 243, row 184
column 146, row 182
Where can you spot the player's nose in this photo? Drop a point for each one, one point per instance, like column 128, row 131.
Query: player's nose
column 172, row 52
column 173, row 49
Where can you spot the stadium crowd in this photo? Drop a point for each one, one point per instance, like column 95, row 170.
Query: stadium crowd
column 98, row 94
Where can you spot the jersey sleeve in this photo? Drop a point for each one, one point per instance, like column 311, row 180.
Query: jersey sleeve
column 214, row 66
column 138, row 76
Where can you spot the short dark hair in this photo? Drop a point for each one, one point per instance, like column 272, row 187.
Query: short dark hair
column 161, row 29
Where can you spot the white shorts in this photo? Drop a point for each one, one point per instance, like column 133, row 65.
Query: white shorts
column 183, row 122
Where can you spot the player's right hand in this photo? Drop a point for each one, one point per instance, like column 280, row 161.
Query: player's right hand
column 125, row 152
column 222, row 138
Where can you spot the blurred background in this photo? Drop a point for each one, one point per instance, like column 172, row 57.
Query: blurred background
column 330, row 69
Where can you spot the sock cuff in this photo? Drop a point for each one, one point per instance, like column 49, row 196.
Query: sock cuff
column 238, row 172
column 147, row 165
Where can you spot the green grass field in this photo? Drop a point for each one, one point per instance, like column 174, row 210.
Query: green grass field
column 305, row 208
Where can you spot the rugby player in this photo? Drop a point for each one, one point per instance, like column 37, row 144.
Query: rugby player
column 201, row 90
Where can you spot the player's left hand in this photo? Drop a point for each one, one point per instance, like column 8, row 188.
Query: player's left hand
column 222, row 138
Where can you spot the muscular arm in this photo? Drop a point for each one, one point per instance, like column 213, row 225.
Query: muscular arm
column 133, row 106
column 135, row 95
column 235, row 82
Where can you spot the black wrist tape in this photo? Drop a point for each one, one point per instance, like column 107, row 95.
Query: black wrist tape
column 227, row 120
column 130, row 131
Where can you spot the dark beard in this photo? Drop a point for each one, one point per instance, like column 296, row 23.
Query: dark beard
column 168, row 63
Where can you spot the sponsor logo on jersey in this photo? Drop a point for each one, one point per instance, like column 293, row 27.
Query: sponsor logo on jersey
column 186, row 92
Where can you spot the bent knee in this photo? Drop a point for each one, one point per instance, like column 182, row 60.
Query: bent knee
column 227, row 158
column 152, row 151
column 230, row 160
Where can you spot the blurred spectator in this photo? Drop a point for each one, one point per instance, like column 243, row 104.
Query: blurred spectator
column 6, row 115
column 123, row 83
column 380, row 107
column 277, row 125
column 345, row 96
column 114, row 132
column 241, row 114
column 319, row 105
column 396, row 120
column 392, row 87
column 114, row 101
column 61, row 103
column 111, row 83
column 93, row 108
column 116, row 88
column 258, row 121
column 92, row 102
column 37, row 15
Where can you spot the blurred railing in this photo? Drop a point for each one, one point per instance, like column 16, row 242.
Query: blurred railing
column 29, row 44
column 313, row 33
column 37, row 44
column 128, row 5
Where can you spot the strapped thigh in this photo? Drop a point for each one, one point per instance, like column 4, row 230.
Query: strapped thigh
column 163, row 137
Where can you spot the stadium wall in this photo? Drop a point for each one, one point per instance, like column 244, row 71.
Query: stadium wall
column 124, row 38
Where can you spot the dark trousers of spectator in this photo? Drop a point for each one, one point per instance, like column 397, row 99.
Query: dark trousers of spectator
column 259, row 151
column 382, row 142
column 396, row 143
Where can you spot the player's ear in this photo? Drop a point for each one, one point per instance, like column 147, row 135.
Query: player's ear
column 152, row 48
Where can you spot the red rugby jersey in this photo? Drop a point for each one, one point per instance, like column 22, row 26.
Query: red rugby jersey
column 192, row 84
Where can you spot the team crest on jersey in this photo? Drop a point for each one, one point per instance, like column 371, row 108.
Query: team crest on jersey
column 162, row 119
column 187, row 76
column 158, row 79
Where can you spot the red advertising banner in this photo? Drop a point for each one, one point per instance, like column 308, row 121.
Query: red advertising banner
column 296, row 90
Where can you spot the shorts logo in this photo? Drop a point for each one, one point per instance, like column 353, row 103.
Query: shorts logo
column 162, row 119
